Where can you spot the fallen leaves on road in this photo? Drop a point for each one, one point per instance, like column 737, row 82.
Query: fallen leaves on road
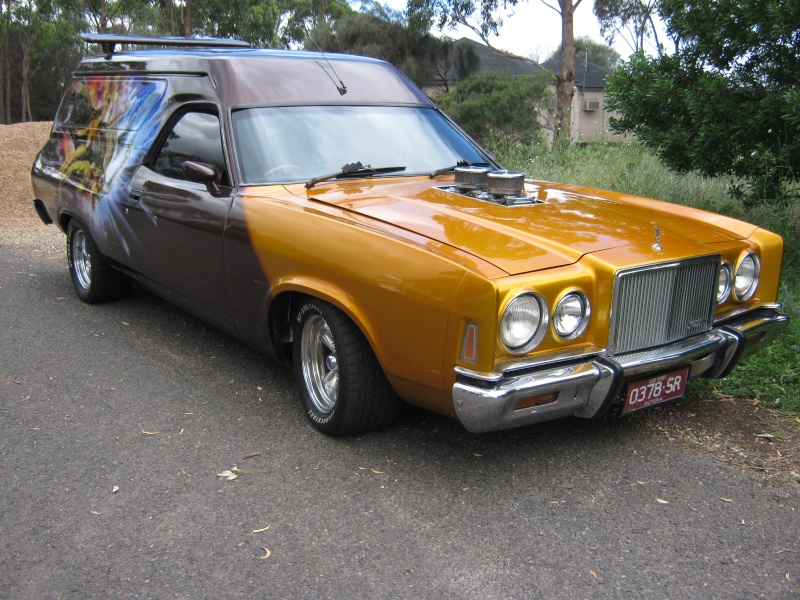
column 593, row 574
column 736, row 431
column 267, row 553
column 230, row 474
column 377, row 472
column 660, row 501
column 115, row 489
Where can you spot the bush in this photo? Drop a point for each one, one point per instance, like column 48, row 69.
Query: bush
column 490, row 106
column 726, row 102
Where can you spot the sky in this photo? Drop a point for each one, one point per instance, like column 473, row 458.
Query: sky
column 534, row 30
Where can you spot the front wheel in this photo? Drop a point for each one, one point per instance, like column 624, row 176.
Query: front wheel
column 93, row 278
column 342, row 386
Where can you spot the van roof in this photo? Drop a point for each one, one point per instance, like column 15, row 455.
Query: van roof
column 245, row 77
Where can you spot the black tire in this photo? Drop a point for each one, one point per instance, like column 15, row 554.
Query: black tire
column 342, row 386
column 93, row 278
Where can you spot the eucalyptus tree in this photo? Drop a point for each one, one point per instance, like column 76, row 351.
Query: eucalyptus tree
column 483, row 17
column 406, row 43
column 594, row 51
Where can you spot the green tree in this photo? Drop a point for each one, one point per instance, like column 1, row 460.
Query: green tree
column 491, row 103
column 632, row 20
column 598, row 52
column 53, row 59
column 482, row 17
column 385, row 34
column 266, row 23
column 727, row 102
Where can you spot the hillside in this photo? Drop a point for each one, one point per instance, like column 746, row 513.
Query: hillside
column 21, row 226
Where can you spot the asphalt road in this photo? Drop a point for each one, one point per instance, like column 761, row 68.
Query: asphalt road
column 140, row 397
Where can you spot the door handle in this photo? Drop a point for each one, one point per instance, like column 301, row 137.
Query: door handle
column 134, row 198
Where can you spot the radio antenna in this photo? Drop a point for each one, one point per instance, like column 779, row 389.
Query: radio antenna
column 342, row 88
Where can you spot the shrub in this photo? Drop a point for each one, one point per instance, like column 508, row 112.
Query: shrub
column 489, row 104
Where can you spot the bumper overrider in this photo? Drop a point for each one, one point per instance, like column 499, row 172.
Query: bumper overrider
column 586, row 386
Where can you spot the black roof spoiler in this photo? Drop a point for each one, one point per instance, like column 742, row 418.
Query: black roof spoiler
column 108, row 41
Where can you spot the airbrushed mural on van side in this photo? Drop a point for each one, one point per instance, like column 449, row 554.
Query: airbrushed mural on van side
column 103, row 130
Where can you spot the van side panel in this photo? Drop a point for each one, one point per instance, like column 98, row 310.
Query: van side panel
column 104, row 128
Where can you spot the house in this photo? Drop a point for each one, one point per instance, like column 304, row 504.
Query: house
column 589, row 114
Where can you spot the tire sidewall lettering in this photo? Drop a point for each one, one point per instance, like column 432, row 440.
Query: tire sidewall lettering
column 308, row 306
column 320, row 419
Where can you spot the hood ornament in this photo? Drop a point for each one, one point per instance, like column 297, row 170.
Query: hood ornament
column 657, row 246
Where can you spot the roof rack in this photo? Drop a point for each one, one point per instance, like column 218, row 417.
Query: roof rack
column 108, row 41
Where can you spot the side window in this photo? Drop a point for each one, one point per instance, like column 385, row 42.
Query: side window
column 118, row 104
column 195, row 136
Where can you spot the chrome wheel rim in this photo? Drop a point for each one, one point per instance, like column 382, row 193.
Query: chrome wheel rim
column 320, row 366
column 81, row 259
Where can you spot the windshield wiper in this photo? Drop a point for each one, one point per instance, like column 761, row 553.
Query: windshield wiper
column 355, row 169
column 461, row 163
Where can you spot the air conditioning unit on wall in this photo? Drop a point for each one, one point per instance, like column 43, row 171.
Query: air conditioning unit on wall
column 591, row 105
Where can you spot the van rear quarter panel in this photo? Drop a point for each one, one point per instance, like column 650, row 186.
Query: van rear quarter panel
column 106, row 125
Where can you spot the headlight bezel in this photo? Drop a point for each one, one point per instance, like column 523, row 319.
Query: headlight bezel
column 754, row 277
column 585, row 314
column 724, row 293
column 539, row 329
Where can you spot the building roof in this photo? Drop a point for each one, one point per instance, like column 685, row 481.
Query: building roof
column 588, row 75
column 492, row 60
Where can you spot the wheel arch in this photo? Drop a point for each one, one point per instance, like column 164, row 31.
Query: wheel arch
column 64, row 218
column 286, row 302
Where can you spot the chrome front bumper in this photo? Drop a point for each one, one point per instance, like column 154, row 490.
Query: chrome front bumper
column 586, row 386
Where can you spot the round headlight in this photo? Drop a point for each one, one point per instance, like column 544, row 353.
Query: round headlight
column 524, row 322
column 571, row 316
column 724, row 283
column 746, row 281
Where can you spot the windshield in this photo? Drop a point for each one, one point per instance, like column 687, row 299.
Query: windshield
column 298, row 143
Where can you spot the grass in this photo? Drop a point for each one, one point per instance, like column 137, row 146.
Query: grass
column 771, row 375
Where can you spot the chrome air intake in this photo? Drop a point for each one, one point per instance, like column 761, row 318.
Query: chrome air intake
column 472, row 178
column 506, row 183
column 499, row 187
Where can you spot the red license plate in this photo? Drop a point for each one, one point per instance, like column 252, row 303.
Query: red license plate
column 655, row 390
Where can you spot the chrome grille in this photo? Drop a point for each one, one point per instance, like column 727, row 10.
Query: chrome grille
column 660, row 304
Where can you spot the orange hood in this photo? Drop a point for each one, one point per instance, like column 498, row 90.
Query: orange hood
column 568, row 223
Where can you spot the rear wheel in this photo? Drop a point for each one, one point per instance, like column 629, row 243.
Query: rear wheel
column 93, row 278
column 343, row 388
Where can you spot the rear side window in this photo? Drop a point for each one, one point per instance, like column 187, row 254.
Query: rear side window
column 195, row 136
column 109, row 103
